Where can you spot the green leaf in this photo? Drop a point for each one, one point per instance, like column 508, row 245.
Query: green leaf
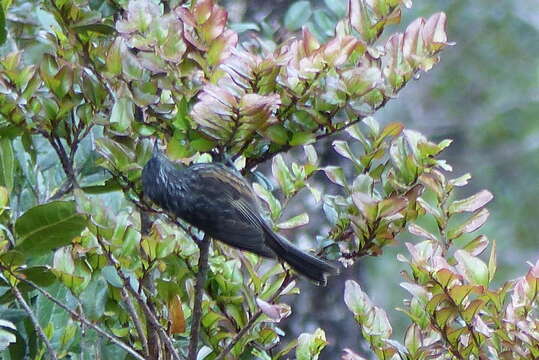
column 243, row 27
column 266, row 195
column 122, row 115
column 477, row 245
column 277, row 133
column 48, row 226
column 297, row 15
column 472, row 309
column 3, row 30
column 202, row 144
column 294, row 222
column 94, row 297
column 355, row 299
column 6, row 337
column 339, row 7
column 473, row 223
column 473, row 268
column 118, row 154
column 7, row 164
column 283, row 175
column 302, row 138
column 492, row 262
column 310, row 345
column 336, row 175
column 325, row 23
column 39, row 275
column 98, row 28
column 114, row 56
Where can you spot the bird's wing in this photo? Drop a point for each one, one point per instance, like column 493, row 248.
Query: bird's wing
column 234, row 215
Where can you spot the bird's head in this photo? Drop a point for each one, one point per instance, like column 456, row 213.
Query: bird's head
column 159, row 159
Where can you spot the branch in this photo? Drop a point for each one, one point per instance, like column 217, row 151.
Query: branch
column 150, row 316
column 288, row 279
column 138, row 325
column 39, row 330
column 204, row 247
column 79, row 317
column 67, row 165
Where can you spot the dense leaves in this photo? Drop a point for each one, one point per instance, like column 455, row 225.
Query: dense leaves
column 88, row 266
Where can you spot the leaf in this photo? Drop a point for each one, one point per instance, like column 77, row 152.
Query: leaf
column 296, row 221
column 111, row 275
column 337, row 6
column 473, row 223
column 243, row 27
column 417, row 230
column 118, row 154
column 277, row 134
column 472, row 309
column 492, row 262
column 176, row 316
column 355, row 299
column 297, row 15
column 472, row 203
column 392, row 129
column 266, row 195
column 326, row 24
column 7, row 164
column 391, row 206
column 343, row 149
column 122, row 115
column 98, row 28
column 461, row 180
column 477, row 245
column 48, row 226
column 275, row 312
column 302, row 138
column 3, row 30
column 114, row 56
column 6, row 337
column 310, row 345
column 94, row 297
column 283, row 175
column 473, row 268
column 335, row 174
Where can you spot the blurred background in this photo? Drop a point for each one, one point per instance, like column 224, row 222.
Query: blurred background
column 483, row 95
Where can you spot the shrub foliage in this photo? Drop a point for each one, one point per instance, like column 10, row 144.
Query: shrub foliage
column 90, row 269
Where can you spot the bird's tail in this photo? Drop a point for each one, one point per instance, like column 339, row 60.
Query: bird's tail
column 304, row 263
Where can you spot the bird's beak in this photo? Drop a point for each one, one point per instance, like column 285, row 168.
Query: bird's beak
column 156, row 146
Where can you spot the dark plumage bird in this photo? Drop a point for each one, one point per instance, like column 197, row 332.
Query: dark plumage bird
column 218, row 201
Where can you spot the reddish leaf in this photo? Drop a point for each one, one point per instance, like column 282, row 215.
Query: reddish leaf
column 275, row 312
column 176, row 316
column 417, row 230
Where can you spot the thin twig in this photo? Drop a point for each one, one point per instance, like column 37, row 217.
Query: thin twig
column 138, row 324
column 64, row 159
column 39, row 330
column 252, row 321
column 80, row 318
column 204, row 247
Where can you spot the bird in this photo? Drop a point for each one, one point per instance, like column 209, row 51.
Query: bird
column 217, row 200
